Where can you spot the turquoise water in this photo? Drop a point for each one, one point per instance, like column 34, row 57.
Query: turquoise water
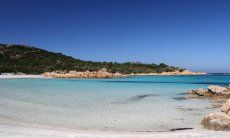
column 144, row 103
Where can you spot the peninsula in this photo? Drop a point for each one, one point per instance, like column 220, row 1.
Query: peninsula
column 31, row 60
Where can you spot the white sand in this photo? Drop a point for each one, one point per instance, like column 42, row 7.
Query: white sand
column 11, row 76
column 7, row 131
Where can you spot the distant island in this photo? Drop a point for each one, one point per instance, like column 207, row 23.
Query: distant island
column 31, row 60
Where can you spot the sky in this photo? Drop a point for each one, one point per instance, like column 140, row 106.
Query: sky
column 193, row 34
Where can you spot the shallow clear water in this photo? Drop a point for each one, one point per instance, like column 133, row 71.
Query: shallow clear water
column 144, row 103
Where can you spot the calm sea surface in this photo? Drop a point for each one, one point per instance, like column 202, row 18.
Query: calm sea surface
column 144, row 103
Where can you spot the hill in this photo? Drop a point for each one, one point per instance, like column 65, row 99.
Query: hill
column 31, row 60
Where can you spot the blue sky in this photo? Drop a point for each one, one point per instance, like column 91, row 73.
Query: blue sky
column 193, row 34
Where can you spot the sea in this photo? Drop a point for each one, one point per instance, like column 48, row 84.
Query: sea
column 134, row 104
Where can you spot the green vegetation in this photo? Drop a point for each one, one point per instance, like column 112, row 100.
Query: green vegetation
column 31, row 60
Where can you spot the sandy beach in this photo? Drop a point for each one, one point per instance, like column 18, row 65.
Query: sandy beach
column 10, row 76
column 7, row 131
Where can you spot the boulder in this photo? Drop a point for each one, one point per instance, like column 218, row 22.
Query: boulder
column 226, row 107
column 217, row 89
column 87, row 74
column 201, row 92
column 213, row 91
column 217, row 121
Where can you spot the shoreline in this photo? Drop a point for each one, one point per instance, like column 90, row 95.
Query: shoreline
column 24, row 76
column 43, row 77
column 35, row 132
column 100, row 75
column 104, row 74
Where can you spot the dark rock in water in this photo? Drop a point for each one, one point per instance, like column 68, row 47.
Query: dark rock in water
column 180, row 98
column 182, row 93
column 183, row 128
column 139, row 97
column 135, row 98
column 184, row 108
column 216, row 106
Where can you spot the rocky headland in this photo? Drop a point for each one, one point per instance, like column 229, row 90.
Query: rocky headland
column 87, row 74
column 36, row 61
